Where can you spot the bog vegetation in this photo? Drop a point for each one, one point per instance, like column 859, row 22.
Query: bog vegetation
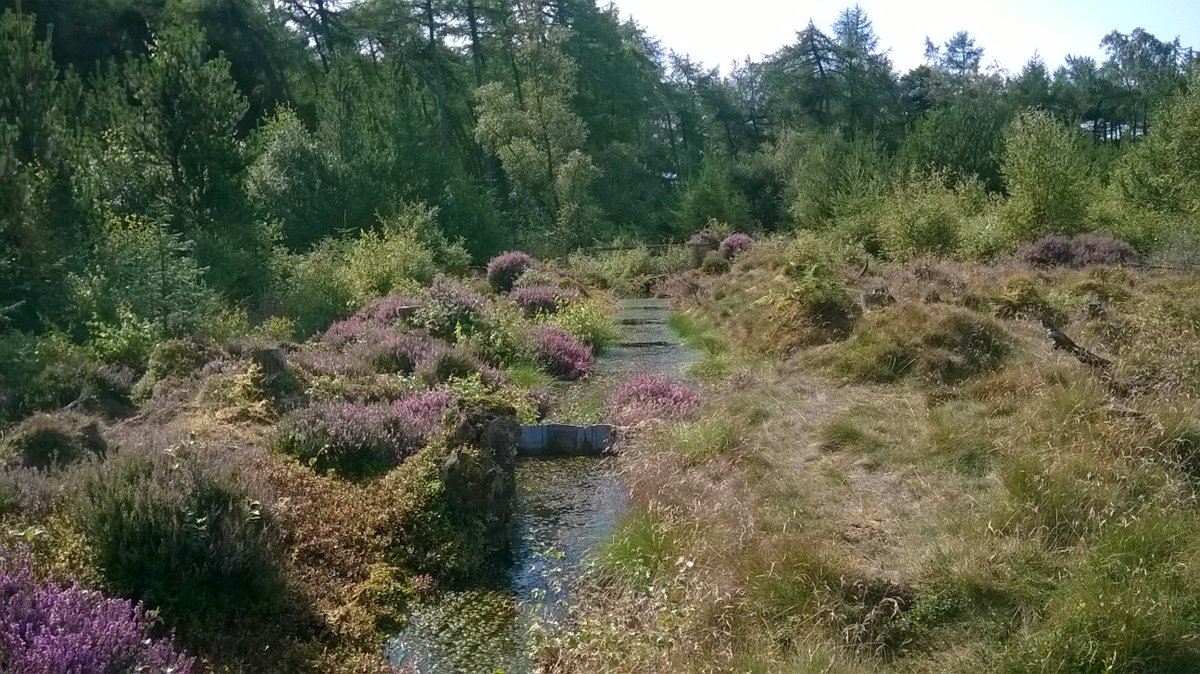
column 278, row 279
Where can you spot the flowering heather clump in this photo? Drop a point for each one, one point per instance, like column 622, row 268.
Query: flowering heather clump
column 561, row 354
column 504, row 269
column 546, row 299
column 362, row 439
column 1080, row 251
column 1049, row 251
column 392, row 352
column 647, row 396
column 734, row 245
column 451, row 306
column 47, row 629
column 1088, row 249
column 387, row 310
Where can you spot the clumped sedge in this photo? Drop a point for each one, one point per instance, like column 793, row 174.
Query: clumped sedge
column 647, row 396
column 561, row 354
column 504, row 269
column 47, row 628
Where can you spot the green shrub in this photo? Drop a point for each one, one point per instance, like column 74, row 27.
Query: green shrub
column 46, row 372
column 292, row 180
column 1045, row 176
column 711, row 195
column 1019, row 297
column 144, row 285
column 340, row 275
column 921, row 217
column 589, row 322
column 180, row 534
column 170, row 359
column 816, row 309
column 714, row 263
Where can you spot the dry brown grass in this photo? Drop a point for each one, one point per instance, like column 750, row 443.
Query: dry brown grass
column 1031, row 516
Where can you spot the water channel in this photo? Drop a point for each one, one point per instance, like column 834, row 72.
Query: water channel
column 564, row 508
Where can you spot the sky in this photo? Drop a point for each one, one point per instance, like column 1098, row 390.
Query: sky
column 1011, row 31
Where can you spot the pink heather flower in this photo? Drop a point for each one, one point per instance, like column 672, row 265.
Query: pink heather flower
column 647, row 395
column 561, row 354
column 394, row 430
column 504, row 269
column 451, row 306
column 46, row 629
column 734, row 245
column 387, row 310
column 543, row 298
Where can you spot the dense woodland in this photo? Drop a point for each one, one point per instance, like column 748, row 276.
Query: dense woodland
column 173, row 166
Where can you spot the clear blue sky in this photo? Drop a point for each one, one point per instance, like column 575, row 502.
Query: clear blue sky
column 1010, row 31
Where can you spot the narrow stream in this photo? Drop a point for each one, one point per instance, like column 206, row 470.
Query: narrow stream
column 564, row 508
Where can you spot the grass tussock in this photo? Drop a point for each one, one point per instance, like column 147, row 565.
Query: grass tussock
column 945, row 345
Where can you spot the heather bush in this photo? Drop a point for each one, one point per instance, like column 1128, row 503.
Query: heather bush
column 359, row 440
column 445, row 363
column 589, row 322
column 504, row 269
column 359, row 346
column 1051, row 250
column 649, row 396
column 1079, row 251
column 1089, row 249
column 452, row 309
column 179, row 531
column 45, row 628
column 734, row 245
column 546, row 299
column 388, row 310
column 52, row 440
column 27, row 491
column 561, row 354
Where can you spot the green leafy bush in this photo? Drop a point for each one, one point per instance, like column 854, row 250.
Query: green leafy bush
column 47, row 372
column 589, row 322
column 1045, row 176
column 340, row 275
column 921, row 217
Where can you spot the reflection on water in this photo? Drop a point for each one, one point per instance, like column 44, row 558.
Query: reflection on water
column 564, row 508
